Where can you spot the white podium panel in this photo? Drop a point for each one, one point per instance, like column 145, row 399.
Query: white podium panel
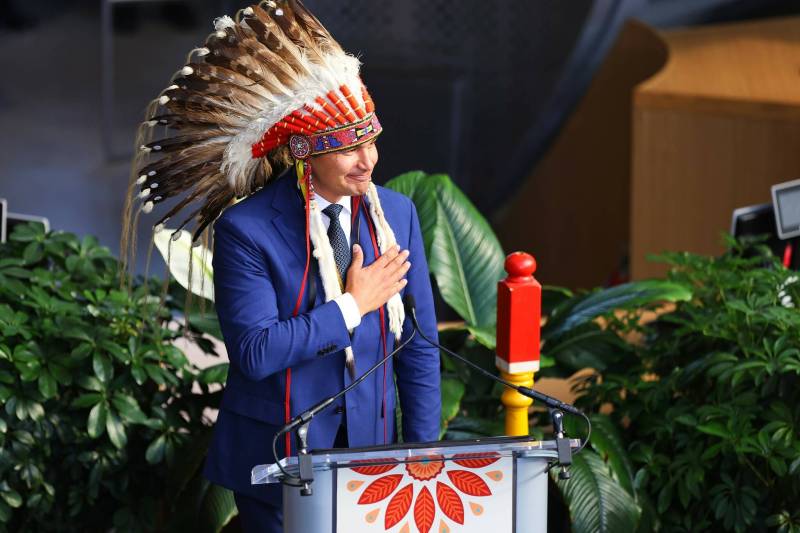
column 494, row 484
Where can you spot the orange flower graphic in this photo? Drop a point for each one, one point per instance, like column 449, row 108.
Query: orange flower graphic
column 423, row 499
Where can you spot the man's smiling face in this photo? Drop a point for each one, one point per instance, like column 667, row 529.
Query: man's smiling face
column 345, row 173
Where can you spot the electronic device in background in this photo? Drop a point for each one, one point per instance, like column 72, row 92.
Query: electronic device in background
column 3, row 213
column 15, row 219
column 786, row 204
column 779, row 221
column 9, row 220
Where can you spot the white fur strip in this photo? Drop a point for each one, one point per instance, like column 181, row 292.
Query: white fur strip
column 327, row 264
column 386, row 240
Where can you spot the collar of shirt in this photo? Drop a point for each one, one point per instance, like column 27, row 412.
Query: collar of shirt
column 344, row 214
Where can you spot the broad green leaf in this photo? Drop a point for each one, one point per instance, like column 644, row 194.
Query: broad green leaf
column 585, row 346
column 12, row 498
column 85, row 400
column 47, row 385
column 206, row 322
column 154, row 371
column 609, row 444
column 96, row 423
column 91, row 383
column 178, row 253
column 485, row 336
column 578, row 311
column 217, row 509
column 102, row 367
column 407, row 183
column 189, row 462
column 24, row 437
column 714, row 428
column 128, row 408
column 155, row 451
column 461, row 428
column 33, row 253
column 452, row 391
column 596, row 502
column 60, row 373
column 138, row 374
column 116, row 430
column 26, row 232
column 463, row 252
column 214, row 374
column 115, row 350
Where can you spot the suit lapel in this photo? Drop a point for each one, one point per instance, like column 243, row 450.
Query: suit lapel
column 290, row 223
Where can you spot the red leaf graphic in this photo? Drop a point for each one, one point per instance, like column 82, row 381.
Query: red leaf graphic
column 424, row 510
column 379, row 489
column 475, row 463
column 469, row 483
column 476, row 460
column 399, row 505
column 373, row 470
column 450, row 503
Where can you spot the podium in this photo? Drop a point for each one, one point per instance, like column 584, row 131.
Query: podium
column 496, row 484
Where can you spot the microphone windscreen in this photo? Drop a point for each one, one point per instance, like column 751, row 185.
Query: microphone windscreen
column 408, row 303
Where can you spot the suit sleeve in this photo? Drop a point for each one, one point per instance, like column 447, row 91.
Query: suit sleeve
column 258, row 343
column 417, row 365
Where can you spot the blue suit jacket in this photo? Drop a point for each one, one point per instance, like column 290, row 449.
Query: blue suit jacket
column 259, row 259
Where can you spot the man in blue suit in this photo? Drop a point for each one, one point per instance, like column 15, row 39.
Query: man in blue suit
column 258, row 262
column 310, row 266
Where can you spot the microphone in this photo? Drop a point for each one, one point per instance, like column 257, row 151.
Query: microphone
column 302, row 421
column 549, row 401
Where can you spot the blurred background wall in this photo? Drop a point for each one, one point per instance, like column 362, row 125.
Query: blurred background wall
column 527, row 105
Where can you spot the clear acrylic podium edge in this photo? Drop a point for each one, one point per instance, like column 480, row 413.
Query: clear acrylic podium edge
column 327, row 459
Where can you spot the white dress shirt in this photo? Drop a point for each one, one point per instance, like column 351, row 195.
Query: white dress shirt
column 347, row 304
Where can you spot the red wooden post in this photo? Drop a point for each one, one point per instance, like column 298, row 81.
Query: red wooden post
column 519, row 312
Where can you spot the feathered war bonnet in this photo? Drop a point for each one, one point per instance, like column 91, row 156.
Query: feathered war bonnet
column 270, row 82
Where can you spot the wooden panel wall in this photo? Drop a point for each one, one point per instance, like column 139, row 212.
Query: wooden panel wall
column 572, row 213
column 712, row 131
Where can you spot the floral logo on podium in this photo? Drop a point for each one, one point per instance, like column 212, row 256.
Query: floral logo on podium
column 413, row 491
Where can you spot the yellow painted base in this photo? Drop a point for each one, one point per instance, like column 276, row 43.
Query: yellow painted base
column 516, row 404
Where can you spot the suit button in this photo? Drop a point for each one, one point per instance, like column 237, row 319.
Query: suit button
column 338, row 410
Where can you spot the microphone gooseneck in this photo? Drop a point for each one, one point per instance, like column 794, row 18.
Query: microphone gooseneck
column 549, row 401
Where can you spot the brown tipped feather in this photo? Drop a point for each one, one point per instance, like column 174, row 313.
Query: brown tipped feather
column 251, row 69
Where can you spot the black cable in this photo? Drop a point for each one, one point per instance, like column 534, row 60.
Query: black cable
column 316, row 408
column 549, row 401
column 588, row 434
column 288, row 479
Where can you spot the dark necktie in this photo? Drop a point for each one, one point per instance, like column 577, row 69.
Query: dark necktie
column 338, row 240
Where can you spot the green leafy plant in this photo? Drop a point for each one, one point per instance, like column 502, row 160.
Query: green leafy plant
column 100, row 425
column 709, row 397
column 466, row 261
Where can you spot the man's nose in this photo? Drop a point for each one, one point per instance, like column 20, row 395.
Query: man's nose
column 364, row 160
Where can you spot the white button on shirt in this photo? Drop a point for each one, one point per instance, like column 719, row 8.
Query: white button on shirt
column 347, row 304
